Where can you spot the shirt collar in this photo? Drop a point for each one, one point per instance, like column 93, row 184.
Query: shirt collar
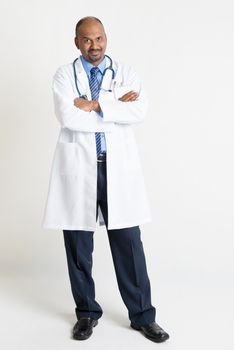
column 88, row 66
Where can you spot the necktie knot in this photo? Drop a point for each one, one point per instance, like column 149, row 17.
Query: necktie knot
column 94, row 71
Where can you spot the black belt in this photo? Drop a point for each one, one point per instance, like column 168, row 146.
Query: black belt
column 101, row 157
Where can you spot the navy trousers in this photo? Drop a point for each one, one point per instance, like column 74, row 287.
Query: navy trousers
column 129, row 263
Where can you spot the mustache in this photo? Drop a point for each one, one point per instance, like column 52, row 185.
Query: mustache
column 93, row 50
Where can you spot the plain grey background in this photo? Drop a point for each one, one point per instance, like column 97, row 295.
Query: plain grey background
column 183, row 52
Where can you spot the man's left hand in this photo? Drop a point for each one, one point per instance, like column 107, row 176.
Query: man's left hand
column 129, row 96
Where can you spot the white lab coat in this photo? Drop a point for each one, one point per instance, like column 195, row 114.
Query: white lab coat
column 72, row 193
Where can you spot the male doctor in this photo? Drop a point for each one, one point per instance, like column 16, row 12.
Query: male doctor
column 96, row 173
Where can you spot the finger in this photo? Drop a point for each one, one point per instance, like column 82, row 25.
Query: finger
column 129, row 97
column 126, row 95
column 133, row 99
column 133, row 96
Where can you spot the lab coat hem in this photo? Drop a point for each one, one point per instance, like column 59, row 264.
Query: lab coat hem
column 128, row 224
column 65, row 227
column 110, row 227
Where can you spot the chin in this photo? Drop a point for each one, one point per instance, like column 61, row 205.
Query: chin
column 96, row 59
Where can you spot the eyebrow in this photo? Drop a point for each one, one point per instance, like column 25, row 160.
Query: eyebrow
column 86, row 37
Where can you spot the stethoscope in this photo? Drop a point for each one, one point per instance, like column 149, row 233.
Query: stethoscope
column 110, row 67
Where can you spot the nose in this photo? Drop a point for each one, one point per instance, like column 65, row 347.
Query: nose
column 94, row 45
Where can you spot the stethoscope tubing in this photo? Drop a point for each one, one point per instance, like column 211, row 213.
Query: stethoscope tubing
column 103, row 74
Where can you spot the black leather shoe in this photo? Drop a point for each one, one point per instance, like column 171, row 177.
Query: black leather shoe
column 153, row 332
column 83, row 328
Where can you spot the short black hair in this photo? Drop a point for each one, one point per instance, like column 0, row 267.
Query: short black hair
column 82, row 20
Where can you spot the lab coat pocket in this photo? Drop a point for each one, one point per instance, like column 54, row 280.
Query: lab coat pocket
column 67, row 158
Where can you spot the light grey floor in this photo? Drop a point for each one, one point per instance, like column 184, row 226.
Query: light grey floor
column 37, row 312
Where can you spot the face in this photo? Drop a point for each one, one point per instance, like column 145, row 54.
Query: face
column 91, row 41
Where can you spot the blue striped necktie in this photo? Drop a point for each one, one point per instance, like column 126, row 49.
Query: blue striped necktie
column 95, row 88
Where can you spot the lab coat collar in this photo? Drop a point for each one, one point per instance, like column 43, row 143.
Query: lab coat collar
column 88, row 66
column 82, row 78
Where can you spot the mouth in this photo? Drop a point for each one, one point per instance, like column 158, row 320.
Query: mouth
column 95, row 52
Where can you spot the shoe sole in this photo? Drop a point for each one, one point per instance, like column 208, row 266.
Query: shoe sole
column 86, row 336
column 160, row 340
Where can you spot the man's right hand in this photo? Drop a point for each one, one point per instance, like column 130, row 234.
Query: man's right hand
column 129, row 96
column 83, row 104
column 86, row 105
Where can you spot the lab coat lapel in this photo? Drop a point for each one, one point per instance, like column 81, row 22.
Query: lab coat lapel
column 83, row 82
column 82, row 79
column 108, row 82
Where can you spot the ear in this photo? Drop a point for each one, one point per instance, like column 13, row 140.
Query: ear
column 76, row 42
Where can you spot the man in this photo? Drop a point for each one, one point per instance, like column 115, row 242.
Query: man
column 97, row 173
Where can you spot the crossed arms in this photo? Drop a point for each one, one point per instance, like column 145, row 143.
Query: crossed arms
column 78, row 114
column 89, row 106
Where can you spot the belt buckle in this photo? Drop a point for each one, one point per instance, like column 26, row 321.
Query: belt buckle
column 101, row 157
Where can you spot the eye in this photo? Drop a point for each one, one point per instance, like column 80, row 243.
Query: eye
column 99, row 38
column 87, row 41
